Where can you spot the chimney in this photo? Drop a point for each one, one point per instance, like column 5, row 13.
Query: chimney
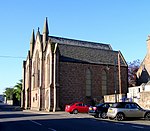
column 148, row 45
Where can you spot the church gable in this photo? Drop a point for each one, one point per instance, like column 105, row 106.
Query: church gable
column 37, row 45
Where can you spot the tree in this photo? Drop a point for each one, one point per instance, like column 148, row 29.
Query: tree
column 132, row 69
column 17, row 90
column 9, row 93
column 14, row 93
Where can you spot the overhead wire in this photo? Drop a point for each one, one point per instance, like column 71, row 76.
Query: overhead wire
column 17, row 57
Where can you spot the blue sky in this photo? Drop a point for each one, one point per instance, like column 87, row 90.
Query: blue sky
column 125, row 24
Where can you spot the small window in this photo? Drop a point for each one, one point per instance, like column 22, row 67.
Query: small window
column 33, row 99
column 139, row 90
column 36, row 96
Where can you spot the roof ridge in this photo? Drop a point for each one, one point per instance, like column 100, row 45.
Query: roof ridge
column 68, row 41
column 79, row 40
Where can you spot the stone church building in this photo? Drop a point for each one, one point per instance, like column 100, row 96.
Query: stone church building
column 143, row 73
column 60, row 71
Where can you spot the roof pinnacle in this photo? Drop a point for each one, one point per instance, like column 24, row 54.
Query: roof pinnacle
column 32, row 40
column 45, row 29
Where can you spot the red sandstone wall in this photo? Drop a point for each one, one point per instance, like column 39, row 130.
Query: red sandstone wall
column 72, row 81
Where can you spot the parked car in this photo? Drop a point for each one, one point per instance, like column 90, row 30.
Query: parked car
column 121, row 110
column 100, row 110
column 78, row 107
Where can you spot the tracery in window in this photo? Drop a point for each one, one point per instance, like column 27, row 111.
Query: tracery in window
column 104, row 82
column 37, row 71
column 88, row 82
column 48, row 70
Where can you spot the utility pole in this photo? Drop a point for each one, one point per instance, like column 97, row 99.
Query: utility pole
column 115, row 79
column 119, row 71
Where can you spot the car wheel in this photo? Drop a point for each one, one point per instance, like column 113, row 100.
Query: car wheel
column 99, row 115
column 120, row 117
column 110, row 118
column 147, row 116
column 103, row 115
column 96, row 116
column 75, row 111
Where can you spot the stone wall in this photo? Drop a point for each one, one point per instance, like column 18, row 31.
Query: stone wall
column 111, row 98
column 144, row 100
column 9, row 102
column 72, row 80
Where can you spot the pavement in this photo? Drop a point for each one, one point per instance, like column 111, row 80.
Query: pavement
column 6, row 107
column 44, row 112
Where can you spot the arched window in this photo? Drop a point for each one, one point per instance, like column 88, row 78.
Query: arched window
column 34, row 68
column 88, row 82
column 48, row 70
column 27, row 77
column 104, row 82
column 37, row 70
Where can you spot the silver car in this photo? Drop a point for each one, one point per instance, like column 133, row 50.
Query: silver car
column 121, row 110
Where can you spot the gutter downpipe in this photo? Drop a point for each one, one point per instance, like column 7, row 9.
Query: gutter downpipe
column 54, row 108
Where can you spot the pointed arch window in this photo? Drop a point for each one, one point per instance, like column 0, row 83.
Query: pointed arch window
column 88, row 82
column 37, row 71
column 34, row 68
column 104, row 82
column 48, row 70
column 27, row 76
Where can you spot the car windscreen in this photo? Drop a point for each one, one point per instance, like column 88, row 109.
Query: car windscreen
column 100, row 104
column 117, row 105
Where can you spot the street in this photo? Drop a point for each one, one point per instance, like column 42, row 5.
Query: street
column 62, row 121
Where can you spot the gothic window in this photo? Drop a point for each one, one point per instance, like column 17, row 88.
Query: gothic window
column 104, row 83
column 38, row 78
column 27, row 76
column 36, row 96
column 37, row 71
column 88, row 82
column 34, row 67
column 48, row 70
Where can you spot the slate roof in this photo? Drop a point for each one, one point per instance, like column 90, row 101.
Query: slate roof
column 86, row 52
column 80, row 43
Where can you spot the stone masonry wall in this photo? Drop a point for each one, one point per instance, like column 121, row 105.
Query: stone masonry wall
column 144, row 100
column 111, row 98
column 72, row 81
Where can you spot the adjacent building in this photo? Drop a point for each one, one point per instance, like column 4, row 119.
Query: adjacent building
column 141, row 92
column 60, row 71
column 143, row 73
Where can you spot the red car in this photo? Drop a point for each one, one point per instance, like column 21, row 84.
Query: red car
column 78, row 107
